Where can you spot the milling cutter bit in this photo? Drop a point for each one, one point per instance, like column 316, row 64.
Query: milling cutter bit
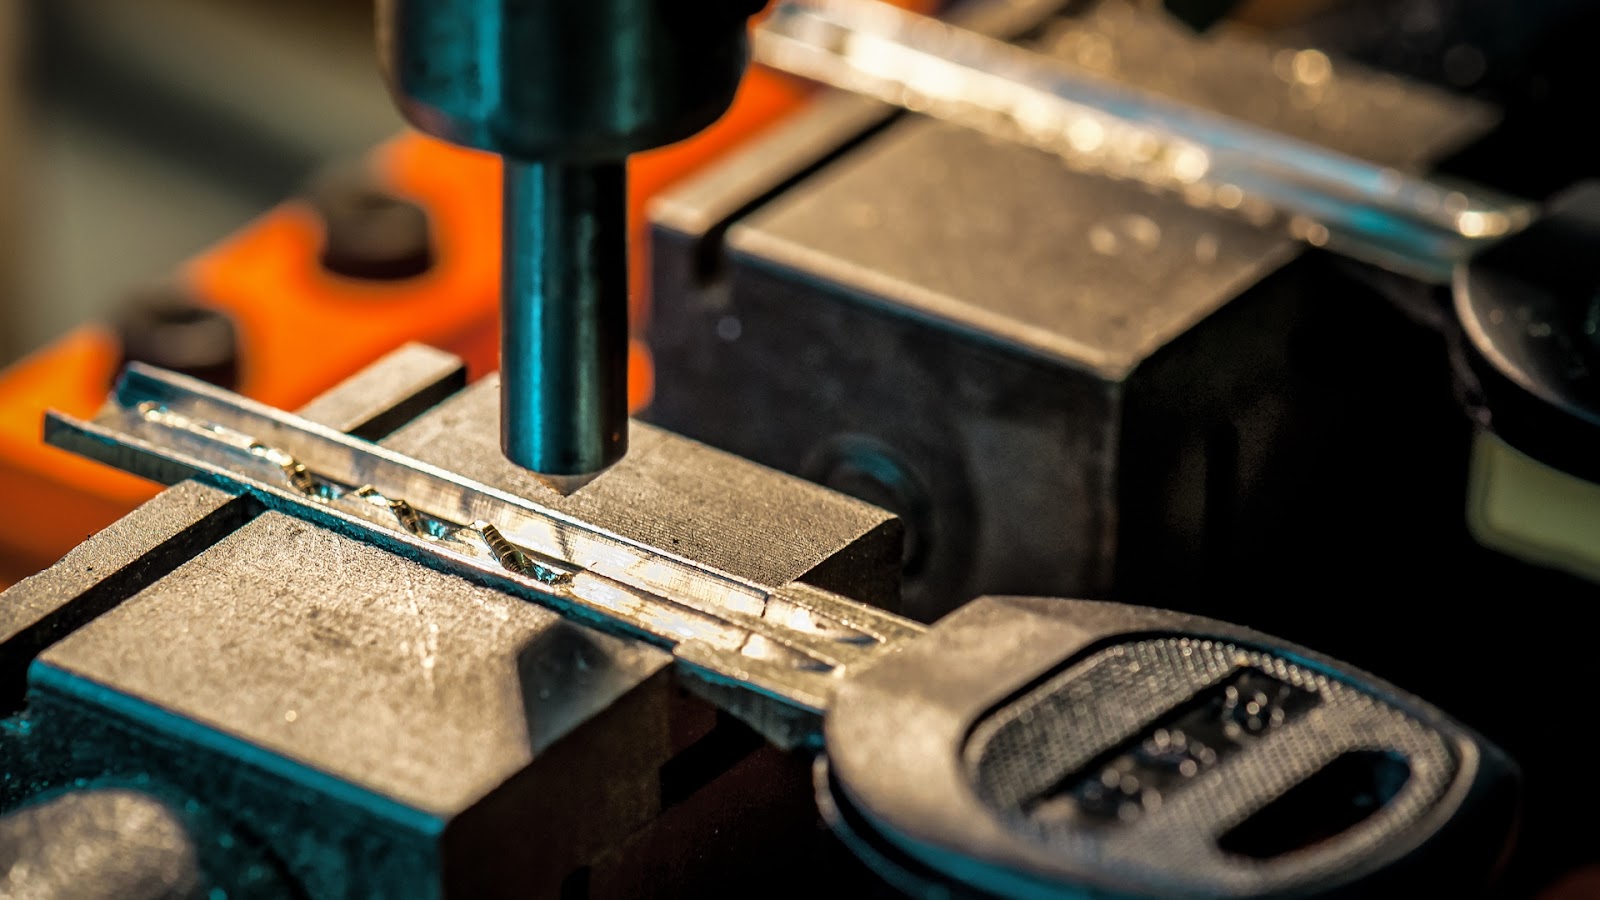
column 564, row 92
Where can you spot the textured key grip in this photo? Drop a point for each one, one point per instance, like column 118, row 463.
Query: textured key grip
column 1029, row 746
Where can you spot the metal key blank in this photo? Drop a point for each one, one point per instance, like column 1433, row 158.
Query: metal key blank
column 1020, row 747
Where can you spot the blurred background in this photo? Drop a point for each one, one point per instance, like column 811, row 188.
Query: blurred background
column 133, row 135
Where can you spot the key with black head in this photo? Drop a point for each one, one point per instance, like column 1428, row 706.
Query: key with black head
column 1031, row 747
column 1019, row 747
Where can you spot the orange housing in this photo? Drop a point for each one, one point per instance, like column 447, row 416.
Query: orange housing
column 303, row 330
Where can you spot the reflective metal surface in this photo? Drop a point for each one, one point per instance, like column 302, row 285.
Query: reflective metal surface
column 1377, row 213
column 564, row 320
column 387, row 728
column 791, row 646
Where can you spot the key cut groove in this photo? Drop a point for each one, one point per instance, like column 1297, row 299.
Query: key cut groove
column 790, row 644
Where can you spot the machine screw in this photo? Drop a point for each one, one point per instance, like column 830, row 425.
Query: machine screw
column 869, row 470
column 167, row 327
column 370, row 233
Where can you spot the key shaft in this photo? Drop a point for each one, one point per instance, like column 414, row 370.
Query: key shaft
column 792, row 644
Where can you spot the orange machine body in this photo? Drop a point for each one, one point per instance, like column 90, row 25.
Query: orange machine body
column 302, row 330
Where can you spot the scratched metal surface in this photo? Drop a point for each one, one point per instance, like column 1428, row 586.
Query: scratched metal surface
column 337, row 696
column 164, row 521
column 346, row 659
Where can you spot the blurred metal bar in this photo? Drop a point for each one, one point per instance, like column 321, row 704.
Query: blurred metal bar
column 1380, row 214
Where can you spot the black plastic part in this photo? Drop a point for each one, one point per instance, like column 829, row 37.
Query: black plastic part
column 170, row 328
column 958, row 761
column 1200, row 15
column 1529, row 311
column 369, row 233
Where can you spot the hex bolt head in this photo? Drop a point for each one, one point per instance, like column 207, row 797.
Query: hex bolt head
column 369, row 233
column 168, row 327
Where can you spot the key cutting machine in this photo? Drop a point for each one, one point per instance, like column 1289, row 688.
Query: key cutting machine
column 1260, row 313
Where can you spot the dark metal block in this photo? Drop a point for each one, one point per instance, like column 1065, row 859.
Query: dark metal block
column 154, row 539
column 1062, row 384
